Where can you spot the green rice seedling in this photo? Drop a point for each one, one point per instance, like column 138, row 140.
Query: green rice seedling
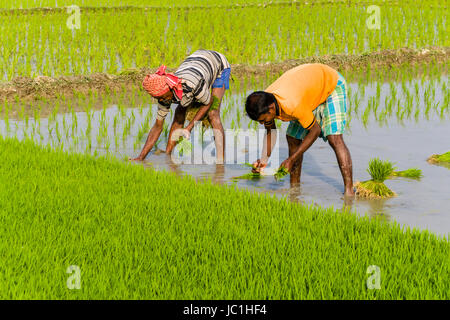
column 165, row 130
column 281, row 173
column 115, row 123
column 184, row 146
column 248, row 176
column 375, row 188
column 365, row 117
column 417, row 113
column 116, row 141
column 107, row 145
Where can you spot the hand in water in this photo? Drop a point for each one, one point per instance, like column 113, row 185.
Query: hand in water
column 258, row 165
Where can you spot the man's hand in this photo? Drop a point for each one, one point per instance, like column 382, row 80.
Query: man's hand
column 135, row 159
column 186, row 133
column 288, row 164
column 258, row 165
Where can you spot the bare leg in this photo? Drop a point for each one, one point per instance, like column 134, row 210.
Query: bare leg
column 297, row 168
column 214, row 119
column 344, row 160
column 178, row 123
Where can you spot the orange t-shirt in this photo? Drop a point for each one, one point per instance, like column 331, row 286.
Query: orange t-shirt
column 302, row 89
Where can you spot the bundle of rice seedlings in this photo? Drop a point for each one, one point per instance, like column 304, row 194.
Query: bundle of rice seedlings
column 440, row 158
column 255, row 175
column 281, row 173
column 380, row 170
column 375, row 188
column 248, row 176
column 413, row 173
column 192, row 111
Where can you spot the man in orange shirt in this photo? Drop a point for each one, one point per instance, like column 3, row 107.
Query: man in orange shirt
column 313, row 97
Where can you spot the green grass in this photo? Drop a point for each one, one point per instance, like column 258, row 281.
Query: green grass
column 140, row 234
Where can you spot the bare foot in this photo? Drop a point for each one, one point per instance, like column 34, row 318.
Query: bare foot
column 349, row 193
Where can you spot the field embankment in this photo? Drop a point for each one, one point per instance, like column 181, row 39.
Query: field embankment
column 27, row 88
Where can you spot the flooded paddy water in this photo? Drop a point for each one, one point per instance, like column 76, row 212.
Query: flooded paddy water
column 404, row 122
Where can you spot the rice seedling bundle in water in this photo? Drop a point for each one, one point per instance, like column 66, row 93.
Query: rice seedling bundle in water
column 413, row 173
column 256, row 175
column 375, row 188
column 440, row 158
column 249, row 176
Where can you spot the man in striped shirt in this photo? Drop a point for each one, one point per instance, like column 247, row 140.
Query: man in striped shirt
column 201, row 79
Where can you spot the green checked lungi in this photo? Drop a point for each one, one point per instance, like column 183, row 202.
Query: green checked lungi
column 330, row 115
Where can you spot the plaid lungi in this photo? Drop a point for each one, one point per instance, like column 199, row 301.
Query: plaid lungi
column 330, row 115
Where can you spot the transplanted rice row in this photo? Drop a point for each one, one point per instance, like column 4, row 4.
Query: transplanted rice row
column 39, row 43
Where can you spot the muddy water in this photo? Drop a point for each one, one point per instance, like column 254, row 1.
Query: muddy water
column 420, row 204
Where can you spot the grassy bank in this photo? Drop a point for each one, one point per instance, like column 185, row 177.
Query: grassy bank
column 136, row 233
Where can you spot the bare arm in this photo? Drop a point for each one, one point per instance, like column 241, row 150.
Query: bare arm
column 178, row 123
column 307, row 142
column 269, row 142
column 309, row 139
column 202, row 111
column 153, row 136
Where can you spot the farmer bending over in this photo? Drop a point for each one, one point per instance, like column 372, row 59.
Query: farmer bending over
column 313, row 98
column 201, row 79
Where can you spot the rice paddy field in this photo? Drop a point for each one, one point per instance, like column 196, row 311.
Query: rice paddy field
column 170, row 229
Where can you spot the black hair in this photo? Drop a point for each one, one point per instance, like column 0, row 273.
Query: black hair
column 258, row 103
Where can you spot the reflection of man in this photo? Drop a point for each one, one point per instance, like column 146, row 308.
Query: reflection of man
column 201, row 79
column 313, row 97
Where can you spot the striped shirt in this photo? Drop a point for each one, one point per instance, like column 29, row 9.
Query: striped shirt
column 197, row 73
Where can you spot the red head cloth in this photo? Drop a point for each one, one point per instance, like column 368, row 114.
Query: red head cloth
column 160, row 82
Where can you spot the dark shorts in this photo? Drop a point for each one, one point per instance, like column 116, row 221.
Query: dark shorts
column 223, row 79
